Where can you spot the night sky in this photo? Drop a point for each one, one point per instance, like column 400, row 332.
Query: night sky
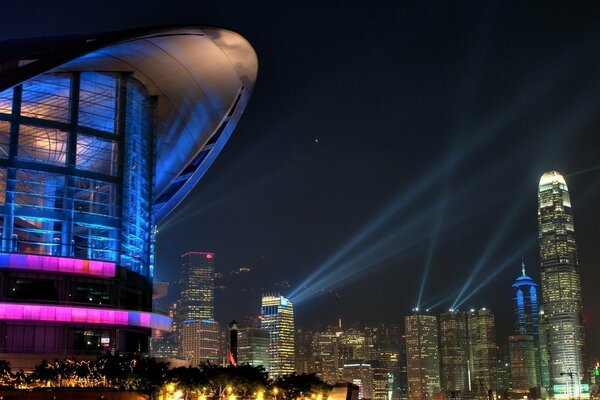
column 394, row 140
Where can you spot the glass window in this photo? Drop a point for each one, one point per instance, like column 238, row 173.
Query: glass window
column 96, row 154
column 97, row 101
column 32, row 289
column 4, row 138
column 45, row 145
column 93, row 293
column 47, row 97
column 6, row 101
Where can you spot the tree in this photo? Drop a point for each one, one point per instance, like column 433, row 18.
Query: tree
column 301, row 385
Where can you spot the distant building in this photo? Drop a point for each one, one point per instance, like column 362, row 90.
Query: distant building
column 454, row 351
column 326, row 352
column 361, row 375
column 253, row 346
column 561, row 289
column 278, row 318
column 523, row 367
column 199, row 341
column 523, row 346
column 196, row 287
column 422, row 356
column 482, row 344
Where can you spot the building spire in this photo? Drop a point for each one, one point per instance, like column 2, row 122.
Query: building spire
column 522, row 266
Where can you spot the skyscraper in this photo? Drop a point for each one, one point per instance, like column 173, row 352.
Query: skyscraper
column 422, row 356
column 278, row 318
column 561, row 288
column 525, row 304
column 523, row 346
column 253, row 346
column 199, row 340
column 482, row 346
column 454, row 351
column 196, row 287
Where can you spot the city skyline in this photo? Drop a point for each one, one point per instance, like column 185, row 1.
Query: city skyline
column 440, row 121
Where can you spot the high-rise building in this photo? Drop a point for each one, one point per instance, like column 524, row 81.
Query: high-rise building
column 422, row 356
column 199, row 340
column 361, row 375
column 253, row 346
column 326, row 352
column 525, row 304
column 454, row 351
column 523, row 367
column 196, row 287
column 482, row 346
column 561, row 289
column 523, row 347
column 278, row 318
column 101, row 136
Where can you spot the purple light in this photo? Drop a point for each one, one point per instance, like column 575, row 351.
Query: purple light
column 84, row 315
column 66, row 265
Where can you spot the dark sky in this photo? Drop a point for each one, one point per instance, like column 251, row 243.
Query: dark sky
column 408, row 134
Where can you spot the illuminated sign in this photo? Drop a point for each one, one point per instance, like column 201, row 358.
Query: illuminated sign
column 32, row 262
column 83, row 315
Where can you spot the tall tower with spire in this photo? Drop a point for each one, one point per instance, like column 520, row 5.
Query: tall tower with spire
column 525, row 304
column 561, row 288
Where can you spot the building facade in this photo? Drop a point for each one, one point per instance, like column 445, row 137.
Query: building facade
column 253, row 347
column 422, row 356
column 454, row 351
column 483, row 358
column 523, row 367
column 85, row 177
column 278, row 318
column 196, row 286
column 561, row 289
column 199, row 342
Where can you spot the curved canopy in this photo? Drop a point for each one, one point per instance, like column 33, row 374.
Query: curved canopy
column 202, row 79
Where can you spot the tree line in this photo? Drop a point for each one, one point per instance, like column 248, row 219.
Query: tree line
column 146, row 374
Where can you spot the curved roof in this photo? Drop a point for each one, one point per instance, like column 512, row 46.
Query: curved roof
column 552, row 177
column 202, row 78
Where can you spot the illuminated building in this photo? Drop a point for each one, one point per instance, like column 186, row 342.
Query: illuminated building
column 278, row 318
column 523, row 347
column 454, row 351
column 253, row 346
column 361, row 375
column 482, row 346
column 543, row 354
column 523, row 366
column 199, row 341
column 561, row 289
column 101, row 136
column 422, row 356
column 196, row 287
column 326, row 351
column 525, row 304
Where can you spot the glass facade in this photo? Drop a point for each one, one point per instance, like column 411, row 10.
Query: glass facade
column 66, row 187
column 561, row 287
column 278, row 318
column 422, row 356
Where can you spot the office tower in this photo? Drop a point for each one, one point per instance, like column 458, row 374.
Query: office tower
column 278, row 318
column 305, row 361
column 253, row 346
column 402, row 367
column 561, row 288
column 523, row 346
column 199, row 340
column 523, row 366
column 454, row 351
column 326, row 352
column 361, row 375
column 388, row 357
column 422, row 356
column 525, row 304
column 482, row 345
column 196, row 287
column 355, row 341
column 503, row 370
column 543, row 354
column 100, row 138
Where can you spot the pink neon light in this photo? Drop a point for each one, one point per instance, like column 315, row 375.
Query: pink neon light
column 85, row 315
column 66, row 265
column 209, row 256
